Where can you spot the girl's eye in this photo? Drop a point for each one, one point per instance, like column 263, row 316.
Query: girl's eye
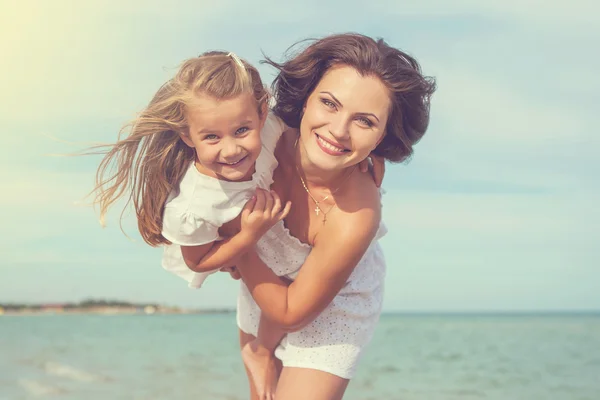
column 211, row 137
column 241, row 131
column 328, row 103
column 365, row 121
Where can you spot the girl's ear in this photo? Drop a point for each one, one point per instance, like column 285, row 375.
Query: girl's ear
column 264, row 111
column 186, row 139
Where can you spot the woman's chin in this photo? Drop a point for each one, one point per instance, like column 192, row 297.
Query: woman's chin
column 331, row 164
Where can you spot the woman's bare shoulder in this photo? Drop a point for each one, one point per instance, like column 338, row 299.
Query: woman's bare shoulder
column 361, row 192
column 359, row 209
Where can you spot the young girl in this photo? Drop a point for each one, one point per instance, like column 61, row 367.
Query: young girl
column 197, row 157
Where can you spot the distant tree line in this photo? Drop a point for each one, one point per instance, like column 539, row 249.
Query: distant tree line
column 88, row 303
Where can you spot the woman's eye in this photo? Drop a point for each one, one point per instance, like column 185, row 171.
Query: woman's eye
column 328, row 103
column 366, row 122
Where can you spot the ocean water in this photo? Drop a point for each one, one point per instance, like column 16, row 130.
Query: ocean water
column 425, row 357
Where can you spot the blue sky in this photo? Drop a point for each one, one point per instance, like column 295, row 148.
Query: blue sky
column 496, row 211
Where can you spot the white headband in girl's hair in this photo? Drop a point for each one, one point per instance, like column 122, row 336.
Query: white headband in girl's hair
column 237, row 60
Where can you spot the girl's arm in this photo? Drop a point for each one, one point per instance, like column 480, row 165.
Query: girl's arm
column 259, row 215
column 215, row 255
column 326, row 270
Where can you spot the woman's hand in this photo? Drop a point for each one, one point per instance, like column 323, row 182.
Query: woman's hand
column 376, row 165
column 235, row 274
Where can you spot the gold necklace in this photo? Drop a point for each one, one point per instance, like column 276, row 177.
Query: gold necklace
column 318, row 208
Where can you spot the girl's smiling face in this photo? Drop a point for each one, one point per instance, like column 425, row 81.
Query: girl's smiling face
column 225, row 135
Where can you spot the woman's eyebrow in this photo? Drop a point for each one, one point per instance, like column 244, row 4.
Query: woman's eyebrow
column 334, row 98
column 341, row 105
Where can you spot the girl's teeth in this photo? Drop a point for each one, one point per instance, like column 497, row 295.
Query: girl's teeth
column 233, row 163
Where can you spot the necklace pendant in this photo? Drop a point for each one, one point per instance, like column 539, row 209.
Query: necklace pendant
column 317, row 209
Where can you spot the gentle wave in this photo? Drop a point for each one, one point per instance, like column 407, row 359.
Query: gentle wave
column 68, row 372
column 39, row 389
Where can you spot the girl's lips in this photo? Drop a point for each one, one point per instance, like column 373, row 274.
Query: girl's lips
column 234, row 163
column 330, row 148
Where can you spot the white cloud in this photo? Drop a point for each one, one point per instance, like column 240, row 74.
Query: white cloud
column 474, row 252
column 494, row 112
column 69, row 59
column 580, row 14
column 43, row 190
column 499, row 215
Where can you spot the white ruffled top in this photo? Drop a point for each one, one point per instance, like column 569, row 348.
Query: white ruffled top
column 195, row 211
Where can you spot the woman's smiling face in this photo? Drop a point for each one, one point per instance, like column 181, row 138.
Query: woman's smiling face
column 344, row 118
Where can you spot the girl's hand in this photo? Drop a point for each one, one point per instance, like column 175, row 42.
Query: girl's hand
column 231, row 228
column 376, row 165
column 262, row 212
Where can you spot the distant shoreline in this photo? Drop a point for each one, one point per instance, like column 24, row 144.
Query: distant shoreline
column 112, row 312
column 101, row 307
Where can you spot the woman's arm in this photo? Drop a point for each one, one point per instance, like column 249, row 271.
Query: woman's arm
column 337, row 250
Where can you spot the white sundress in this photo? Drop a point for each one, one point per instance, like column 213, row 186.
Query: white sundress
column 334, row 341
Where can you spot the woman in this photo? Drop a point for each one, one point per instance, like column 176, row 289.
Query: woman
column 346, row 96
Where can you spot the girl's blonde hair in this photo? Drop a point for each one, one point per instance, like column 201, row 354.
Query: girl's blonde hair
column 149, row 158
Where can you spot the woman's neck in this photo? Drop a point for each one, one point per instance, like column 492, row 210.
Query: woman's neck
column 312, row 174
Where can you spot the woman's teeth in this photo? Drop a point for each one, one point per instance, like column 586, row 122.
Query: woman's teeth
column 329, row 145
